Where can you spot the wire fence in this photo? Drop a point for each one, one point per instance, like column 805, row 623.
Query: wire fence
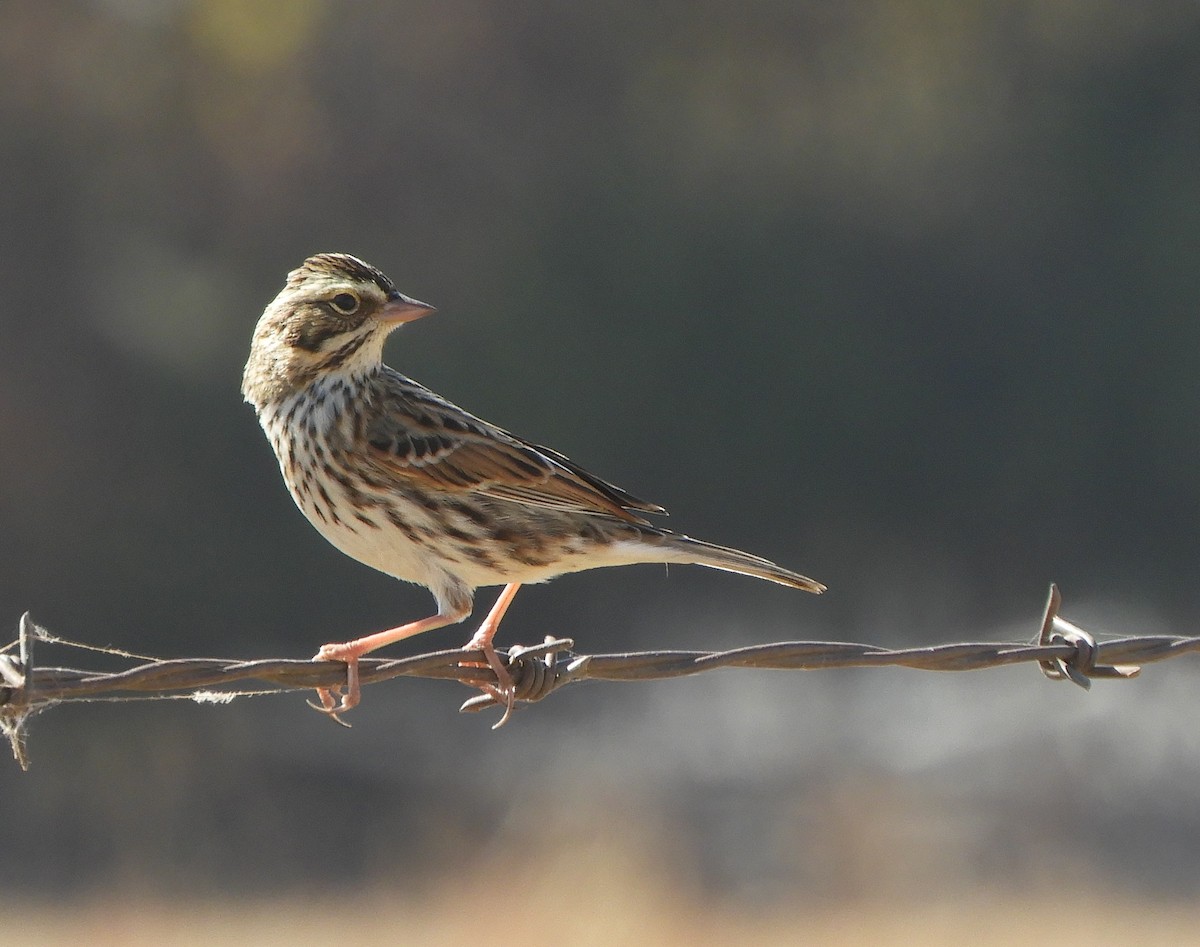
column 1062, row 650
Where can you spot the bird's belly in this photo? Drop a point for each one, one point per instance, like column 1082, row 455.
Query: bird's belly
column 428, row 538
column 379, row 548
column 391, row 534
column 359, row 521
column 421, row 551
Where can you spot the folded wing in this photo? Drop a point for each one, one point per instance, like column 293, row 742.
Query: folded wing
column 419, row 436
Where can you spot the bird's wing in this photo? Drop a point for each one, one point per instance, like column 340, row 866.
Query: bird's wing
column 419, row 436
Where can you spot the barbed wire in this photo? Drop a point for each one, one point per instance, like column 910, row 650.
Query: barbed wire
column 1063, row 651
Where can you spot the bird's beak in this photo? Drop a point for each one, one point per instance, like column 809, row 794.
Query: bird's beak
column 400, row 309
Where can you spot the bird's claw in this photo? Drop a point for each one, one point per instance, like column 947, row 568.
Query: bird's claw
column 330, row 711
column 333, row 701
column 504, row 691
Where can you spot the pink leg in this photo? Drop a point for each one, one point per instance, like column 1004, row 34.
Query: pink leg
column 482, row 641
column 351, row 651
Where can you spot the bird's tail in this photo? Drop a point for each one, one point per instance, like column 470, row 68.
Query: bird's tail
column 701, row 553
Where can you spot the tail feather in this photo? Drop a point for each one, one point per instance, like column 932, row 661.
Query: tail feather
column 700, row 553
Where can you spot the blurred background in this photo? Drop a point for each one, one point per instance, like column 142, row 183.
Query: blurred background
column 900, row 294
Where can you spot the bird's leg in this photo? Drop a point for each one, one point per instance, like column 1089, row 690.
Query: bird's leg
column 505, row 690
column 351, row 651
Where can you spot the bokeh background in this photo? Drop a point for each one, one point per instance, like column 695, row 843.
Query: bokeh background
column 901, row 294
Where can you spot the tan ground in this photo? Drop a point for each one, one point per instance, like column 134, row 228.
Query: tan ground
column 616, row 906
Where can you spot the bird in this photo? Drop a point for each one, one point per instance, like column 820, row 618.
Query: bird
column 408, row 483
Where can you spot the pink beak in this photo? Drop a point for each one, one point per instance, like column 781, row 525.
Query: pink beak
column 400, row 309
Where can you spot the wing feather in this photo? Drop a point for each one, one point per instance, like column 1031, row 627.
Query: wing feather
column 421, row 437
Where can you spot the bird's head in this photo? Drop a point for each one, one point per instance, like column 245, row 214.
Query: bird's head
column 332, row 316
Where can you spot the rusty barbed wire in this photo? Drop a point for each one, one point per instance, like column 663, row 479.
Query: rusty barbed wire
column 1063, row 651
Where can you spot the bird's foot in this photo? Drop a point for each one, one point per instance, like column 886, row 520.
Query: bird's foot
column 333, row 701
column 504, row 691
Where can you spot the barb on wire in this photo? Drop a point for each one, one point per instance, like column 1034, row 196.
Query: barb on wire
column 1063, row 651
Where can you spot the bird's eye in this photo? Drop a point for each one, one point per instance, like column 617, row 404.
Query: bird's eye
column 345, row 303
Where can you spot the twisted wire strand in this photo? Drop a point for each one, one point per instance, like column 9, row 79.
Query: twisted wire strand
column 1063, row 651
